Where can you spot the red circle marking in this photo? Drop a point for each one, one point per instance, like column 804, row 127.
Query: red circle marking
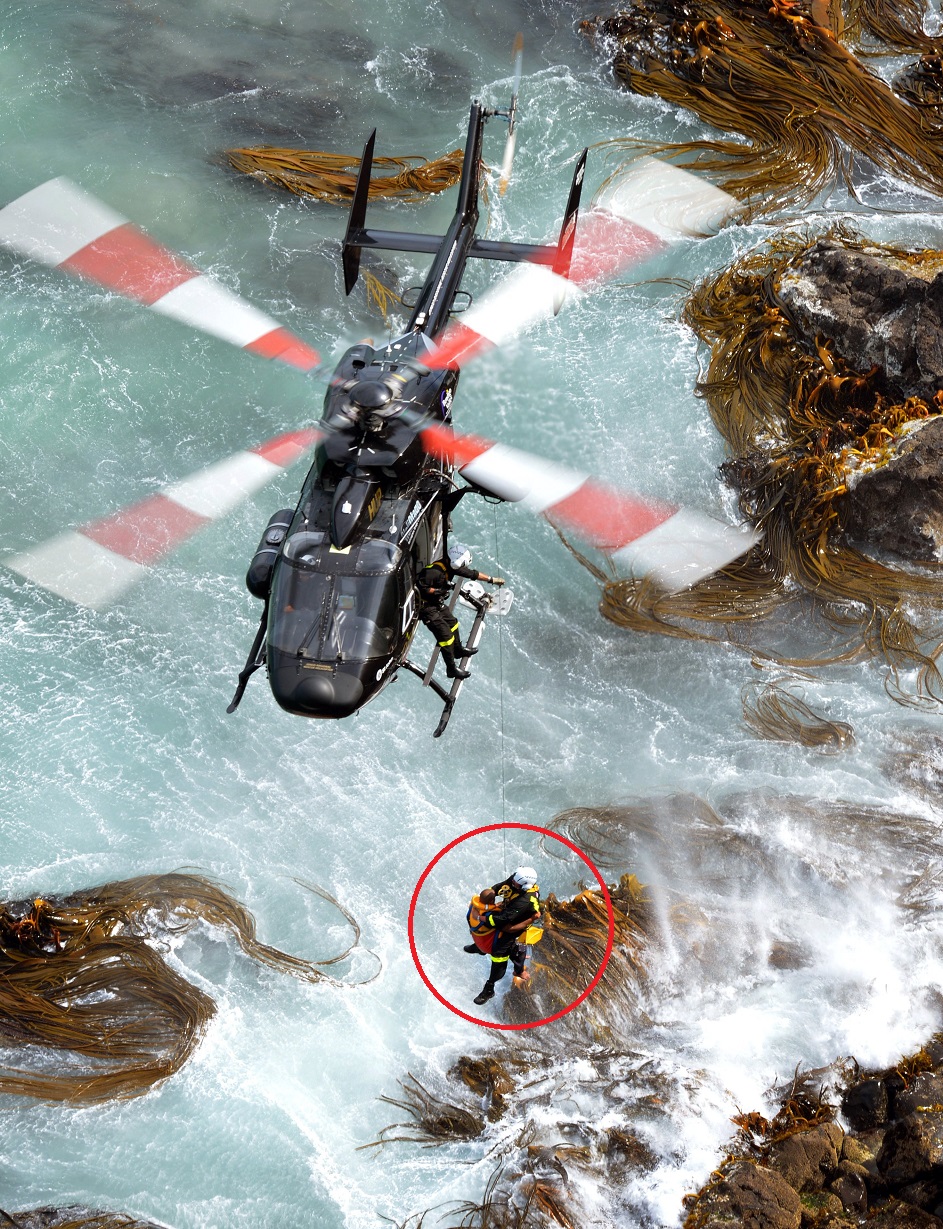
column 497, row 828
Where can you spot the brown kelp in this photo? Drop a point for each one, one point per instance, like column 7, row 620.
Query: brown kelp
column 71, row 1218
column 431, row 1120
column 772, row 711
column 87, row 998
column 332, row 177
column 572, row 950
column 800, row 421
column 778, row 75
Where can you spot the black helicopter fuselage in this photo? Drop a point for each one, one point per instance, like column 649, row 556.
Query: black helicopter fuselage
column 342, row 605
column 338, row 575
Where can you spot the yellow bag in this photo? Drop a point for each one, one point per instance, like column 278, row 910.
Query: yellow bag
column 533, row 934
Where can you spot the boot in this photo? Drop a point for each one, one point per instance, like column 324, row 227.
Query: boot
column 486, row 994
column 461, row 651
column 473, row 949
column 451, row 670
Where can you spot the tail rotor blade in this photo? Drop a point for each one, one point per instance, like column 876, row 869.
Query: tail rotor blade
column 93, row 565
column 61, row 225
column 508, row 160
column 652, row 206
column 674, row 546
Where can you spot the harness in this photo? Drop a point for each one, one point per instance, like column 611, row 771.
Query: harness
column 533, row 933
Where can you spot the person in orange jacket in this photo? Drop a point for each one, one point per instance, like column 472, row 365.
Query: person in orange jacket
column 479, row 917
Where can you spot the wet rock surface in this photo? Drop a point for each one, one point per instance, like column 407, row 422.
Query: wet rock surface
column 886, row 323
column 899, row 507
column 73, row 1217
column 880, row 1165
column 875, row 313
column 756, row 1196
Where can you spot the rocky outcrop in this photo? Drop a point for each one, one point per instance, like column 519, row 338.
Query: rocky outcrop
column 754, row 1196
column 886, row 323
column 899, row 506
column 804, row 1170
column 73, row 1217
column 875, row 313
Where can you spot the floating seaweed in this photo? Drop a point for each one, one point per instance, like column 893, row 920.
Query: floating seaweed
column 71, row 1218
column 333, row 177
column 82, row 979
column 800, row 422
column 773, row 712
column 432, row 1121
column 778, row 75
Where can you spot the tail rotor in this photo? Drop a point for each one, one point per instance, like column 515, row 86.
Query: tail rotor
column 508, row 160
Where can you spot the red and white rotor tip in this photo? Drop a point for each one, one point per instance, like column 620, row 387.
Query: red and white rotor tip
column 61, row 225
column 93, row 565
column 675, row 547
column 635, row 217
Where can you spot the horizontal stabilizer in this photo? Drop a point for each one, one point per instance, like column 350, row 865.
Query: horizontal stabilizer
column 651, row 206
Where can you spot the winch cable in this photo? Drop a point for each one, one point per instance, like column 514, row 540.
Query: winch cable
column 504, row 837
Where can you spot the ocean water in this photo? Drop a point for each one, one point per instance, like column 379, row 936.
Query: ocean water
column 116, row 754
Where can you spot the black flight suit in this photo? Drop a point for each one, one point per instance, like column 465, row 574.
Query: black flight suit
column 435, row 586
column 518, row 905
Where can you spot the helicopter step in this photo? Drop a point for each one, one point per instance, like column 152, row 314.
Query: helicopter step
column 473, row 595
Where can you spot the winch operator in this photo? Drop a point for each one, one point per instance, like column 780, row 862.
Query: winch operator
column 434, row 583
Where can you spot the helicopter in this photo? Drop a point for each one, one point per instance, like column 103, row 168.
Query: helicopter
column 337, row 574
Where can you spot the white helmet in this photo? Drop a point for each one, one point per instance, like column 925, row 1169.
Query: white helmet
column 525, row 878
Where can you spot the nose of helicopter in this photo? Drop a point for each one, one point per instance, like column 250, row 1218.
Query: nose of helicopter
column 317, row 693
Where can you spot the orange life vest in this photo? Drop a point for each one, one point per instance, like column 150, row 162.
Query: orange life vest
column 480, row 924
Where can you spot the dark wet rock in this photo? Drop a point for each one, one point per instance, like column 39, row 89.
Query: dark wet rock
column 875, row 314
column 49, row 1218
column 852, row 1190
column 203, row 86
column 805, row 1160
column 911, row 1148
column 925, row 1093
column 899, row 1215
column 788, row 956
column 754, row 1195
column 865, row 1105
column 898, row 507
column 926, row 1194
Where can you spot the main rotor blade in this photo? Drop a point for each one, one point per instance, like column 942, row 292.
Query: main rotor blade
column 93, row 565
column 674, row 546
column 653, row 205
column 61, row 225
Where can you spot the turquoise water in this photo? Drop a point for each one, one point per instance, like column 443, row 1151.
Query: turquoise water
column 118, row 757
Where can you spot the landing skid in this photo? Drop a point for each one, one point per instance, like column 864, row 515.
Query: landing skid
column 482, row 603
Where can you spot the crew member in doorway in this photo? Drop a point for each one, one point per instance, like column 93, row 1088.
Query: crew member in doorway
column 435, row 585
column 520, row 909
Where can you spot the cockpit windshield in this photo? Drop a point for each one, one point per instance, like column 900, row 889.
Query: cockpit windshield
column 329, row 605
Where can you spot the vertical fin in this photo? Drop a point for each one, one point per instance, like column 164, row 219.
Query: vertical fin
column 350, row 256
column 561, row 262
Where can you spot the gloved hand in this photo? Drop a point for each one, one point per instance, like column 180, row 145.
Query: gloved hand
column 496, row 580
